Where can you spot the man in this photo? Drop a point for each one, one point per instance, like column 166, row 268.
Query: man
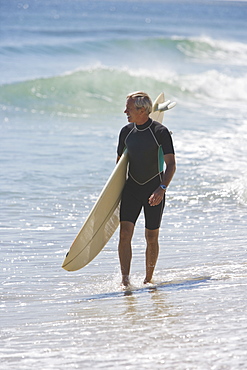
column 147, row 183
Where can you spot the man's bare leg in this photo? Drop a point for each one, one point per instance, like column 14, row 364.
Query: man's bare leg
column 152, row 253
column 124, row 249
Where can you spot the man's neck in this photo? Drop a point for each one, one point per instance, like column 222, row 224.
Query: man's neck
column 142, row 121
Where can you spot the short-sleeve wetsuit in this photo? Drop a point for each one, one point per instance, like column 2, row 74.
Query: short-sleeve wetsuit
column 146, row 145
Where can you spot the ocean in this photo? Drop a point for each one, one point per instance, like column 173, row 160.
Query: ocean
column 66, row 68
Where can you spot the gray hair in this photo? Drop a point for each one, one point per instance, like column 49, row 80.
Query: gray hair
column 141, row 99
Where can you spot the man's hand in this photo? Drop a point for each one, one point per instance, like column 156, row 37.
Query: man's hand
column 156, row 197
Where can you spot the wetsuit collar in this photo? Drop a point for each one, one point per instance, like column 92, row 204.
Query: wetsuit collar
column 144, row 126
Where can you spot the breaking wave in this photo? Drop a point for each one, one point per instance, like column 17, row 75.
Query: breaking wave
column 101, row 89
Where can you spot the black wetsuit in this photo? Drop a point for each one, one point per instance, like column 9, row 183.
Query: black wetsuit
column 146, row 145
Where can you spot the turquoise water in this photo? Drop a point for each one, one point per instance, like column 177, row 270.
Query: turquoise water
column 66, row 68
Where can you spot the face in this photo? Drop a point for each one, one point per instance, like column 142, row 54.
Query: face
column 133, row 114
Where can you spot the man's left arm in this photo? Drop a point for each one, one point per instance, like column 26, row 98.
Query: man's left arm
column 158, row 194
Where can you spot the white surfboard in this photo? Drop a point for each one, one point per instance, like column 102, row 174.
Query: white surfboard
column 103, row 219
column 101, row 223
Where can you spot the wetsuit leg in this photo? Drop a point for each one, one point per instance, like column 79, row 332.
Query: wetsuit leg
column 135, row 197
column 153, row 214
column 131, row 203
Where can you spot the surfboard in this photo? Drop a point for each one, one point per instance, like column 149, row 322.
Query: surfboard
column 103, row 219
column 101, row 222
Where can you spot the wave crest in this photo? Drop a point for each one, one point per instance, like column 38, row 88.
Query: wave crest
column 206, row 49
column 100, row 89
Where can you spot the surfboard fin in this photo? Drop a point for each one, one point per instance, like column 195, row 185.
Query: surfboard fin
column 165, row 106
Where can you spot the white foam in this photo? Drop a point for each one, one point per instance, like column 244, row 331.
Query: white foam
column 206, row 49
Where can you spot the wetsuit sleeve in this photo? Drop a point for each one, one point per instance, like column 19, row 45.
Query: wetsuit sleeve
column 165, row 140
column 121, row 140
column 121, row 144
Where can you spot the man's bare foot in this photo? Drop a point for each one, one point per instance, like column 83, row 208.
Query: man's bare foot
column 147, row 281
column 125, row 280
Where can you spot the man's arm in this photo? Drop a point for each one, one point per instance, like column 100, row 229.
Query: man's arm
column 170, row 169
column 158, row 194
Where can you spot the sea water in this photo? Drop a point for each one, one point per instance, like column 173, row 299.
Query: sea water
column 66, row 68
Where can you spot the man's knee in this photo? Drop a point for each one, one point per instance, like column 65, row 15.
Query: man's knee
column 152, row 236
column 126, row 230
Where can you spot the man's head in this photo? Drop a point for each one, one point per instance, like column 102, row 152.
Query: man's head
column 141, row 100
column 138, row 107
